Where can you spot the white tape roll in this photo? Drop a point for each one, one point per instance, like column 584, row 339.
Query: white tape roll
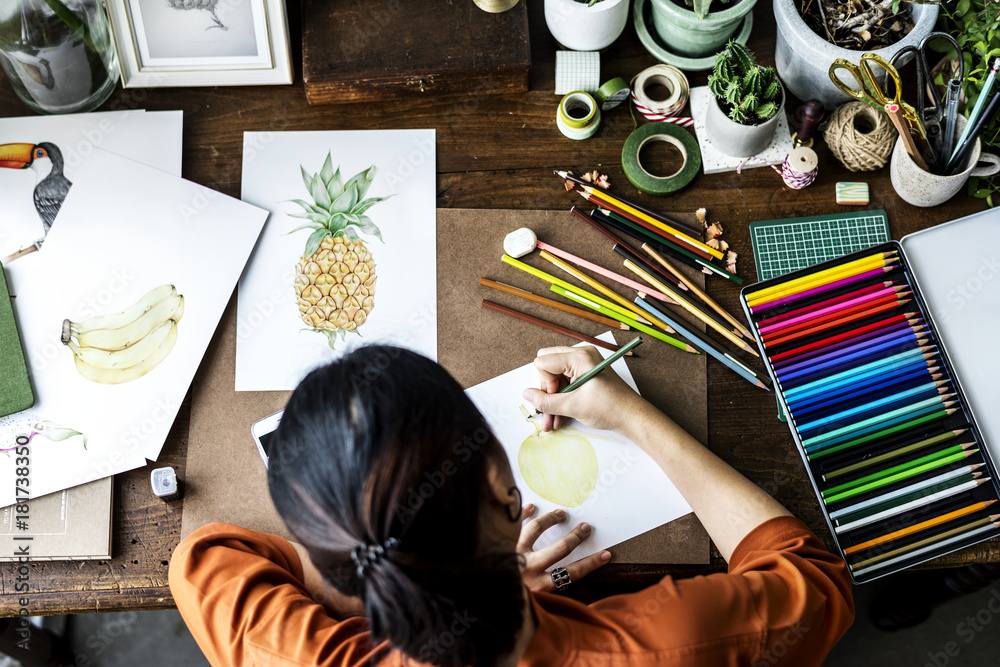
column 672, row 79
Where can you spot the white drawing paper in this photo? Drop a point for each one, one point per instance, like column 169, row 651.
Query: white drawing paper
column 296, row 314
column 628, row 492
column 152, row 138
column 124, row 231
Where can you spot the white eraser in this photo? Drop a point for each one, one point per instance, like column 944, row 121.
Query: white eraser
column 519, row 242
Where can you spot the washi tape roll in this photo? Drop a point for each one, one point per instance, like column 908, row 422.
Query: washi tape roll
column 799, row 170
column 578, row 116
column 670, row 78
column 640, row 177
column 612, row 93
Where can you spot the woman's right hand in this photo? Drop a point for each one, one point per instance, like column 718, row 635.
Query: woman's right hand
column 605, row 402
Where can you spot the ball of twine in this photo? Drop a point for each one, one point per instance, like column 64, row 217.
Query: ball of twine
column 860, row 136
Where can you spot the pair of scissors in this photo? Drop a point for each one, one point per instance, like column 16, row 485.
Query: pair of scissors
column 871, row 92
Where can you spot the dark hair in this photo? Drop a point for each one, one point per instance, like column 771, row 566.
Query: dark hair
column 384, row 445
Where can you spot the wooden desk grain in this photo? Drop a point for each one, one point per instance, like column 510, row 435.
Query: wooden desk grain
column 493, row 152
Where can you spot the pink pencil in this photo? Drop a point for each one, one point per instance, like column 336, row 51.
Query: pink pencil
column 824, row 288
column 830, row 309
column 639, row 287
column 831, row 301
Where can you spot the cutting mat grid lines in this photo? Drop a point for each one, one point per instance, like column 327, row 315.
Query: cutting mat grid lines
column 782, row 246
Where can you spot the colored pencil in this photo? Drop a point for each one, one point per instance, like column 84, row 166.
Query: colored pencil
column 782, row 339
column 524, row 317
column 912, row 505
column 896, row 453
column 916, row 528
column 559, row 289
column 935, row 483
column 742, row 330
column 708, row 345
column 659, row 216
column 614, row 296
column 827, row 405
column 874, row 367
column 632, row 211
column 868, row 407
column 890, row 429
column 898, row 477
column 600, row 270
column 870, row 269
column 884, row 326
column 813, row 370
column 656, row 271
column 847, row 347
column 824, row 302
column 538, row 273
column 728, row 335
column 830, row 274
column 525, row 294
column 928, row 545
column 807, row 294
column 625, row 349
column 627, row 251
column 896, row 469
column 839, row 310
column 925, row 489
column 865, row 426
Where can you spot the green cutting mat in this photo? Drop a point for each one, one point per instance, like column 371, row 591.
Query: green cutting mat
column 783, row 246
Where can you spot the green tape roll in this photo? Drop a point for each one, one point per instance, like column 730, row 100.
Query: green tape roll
column 576, row 110
column 672, row 134
column 612, row 93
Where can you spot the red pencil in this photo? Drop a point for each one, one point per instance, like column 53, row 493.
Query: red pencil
column 600, row 203
column 881, row 324
column 784, row 328
column 781, row 340
column 819, row 305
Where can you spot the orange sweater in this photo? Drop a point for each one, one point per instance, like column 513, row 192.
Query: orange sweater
column 786, row 600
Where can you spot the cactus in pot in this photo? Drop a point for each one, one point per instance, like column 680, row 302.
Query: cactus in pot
column 747, row 92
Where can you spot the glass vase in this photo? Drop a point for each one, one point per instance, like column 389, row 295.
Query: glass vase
column 58, row 54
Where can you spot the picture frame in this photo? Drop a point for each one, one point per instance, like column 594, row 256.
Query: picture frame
column 172, row 43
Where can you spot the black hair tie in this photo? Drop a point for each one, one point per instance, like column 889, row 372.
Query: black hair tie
column 365, row 556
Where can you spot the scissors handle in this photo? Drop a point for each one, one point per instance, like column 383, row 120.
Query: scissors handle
column 859, row 93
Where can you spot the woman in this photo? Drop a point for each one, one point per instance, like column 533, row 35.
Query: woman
column 413, row 548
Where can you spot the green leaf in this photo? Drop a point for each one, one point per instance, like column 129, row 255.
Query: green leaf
column 307, row 179
column 766, row 111
column 363, row 206
column 701, row 7
column 972, row 185
column 351, row 233
column 351, row 217
column 368, row 227
column 320, row 194
column 307, row 226
column 307, row 206
column 982, row 193
column 962, row 7
column 326, row 173
column 336, row 186
column 366, row 182
column 319, row 218
column 312, row 245
column 343, row 202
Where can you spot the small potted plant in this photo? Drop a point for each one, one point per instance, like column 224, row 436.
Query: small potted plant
column 702, row 29
column 747, row 100
column 586, row 25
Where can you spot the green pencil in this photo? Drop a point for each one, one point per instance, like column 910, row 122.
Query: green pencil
column 861, row 481
column 906, row 474
column 575, row 384
column 888, row 456
column 562, row 291
column 940, row 414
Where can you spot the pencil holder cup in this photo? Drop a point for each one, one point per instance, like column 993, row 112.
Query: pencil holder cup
column 922, row 188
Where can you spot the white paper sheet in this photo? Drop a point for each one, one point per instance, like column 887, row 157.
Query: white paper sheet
column 152, row 138
column 123, row 230
column 630, row 495
column 275, row 348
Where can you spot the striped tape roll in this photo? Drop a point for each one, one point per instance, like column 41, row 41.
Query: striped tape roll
column 662, row 110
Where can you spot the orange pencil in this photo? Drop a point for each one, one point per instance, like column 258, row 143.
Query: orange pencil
column 917, row 527
column 771, row 342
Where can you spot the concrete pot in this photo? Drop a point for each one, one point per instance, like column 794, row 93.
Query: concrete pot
column 581, row 28
column 803, row 58
column 689, row 35
column 735, row 139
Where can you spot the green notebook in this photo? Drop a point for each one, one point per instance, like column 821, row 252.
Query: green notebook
column 15, row 389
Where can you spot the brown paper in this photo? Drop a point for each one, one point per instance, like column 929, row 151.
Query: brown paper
column 225, row 477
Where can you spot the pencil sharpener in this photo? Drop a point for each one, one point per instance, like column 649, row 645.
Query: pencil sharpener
column 165, row 484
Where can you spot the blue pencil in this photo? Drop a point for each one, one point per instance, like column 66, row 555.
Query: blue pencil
column 796, row 378
column 824, row 405
column 852, row 431
column 878, row 404
column 916, row 369
column 867, row 370
column 853, row 352
column 871, row 338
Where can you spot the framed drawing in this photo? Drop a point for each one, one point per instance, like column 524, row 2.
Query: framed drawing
column 164, row 43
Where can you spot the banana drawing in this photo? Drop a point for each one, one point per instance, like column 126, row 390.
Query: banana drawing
column 119, row 348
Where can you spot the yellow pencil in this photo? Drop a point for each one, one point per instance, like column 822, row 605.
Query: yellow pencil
column 697, row 290
column 590, row 282
column 825, row 272
column 728, row 335
column 823, row 280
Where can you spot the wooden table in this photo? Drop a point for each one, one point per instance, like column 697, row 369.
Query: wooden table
column 493, row 152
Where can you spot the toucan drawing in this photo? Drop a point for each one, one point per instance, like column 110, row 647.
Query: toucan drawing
column 51, row 186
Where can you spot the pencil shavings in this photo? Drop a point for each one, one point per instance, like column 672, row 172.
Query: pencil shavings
column 713, row 238
column 701, row 215
column 600, row 180
column 731, row 262
column 713, row 231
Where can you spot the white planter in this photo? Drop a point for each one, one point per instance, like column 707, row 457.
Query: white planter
column 735, row 139
column 803, row 58
column 581, row 28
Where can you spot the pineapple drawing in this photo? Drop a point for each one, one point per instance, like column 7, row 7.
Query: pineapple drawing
column 335, row 277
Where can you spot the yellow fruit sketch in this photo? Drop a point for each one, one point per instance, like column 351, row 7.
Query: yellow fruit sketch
column 560, row 466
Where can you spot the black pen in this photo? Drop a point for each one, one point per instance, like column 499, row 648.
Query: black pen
column 961, row 153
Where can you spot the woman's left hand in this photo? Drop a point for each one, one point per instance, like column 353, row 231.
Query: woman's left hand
column 537, row 562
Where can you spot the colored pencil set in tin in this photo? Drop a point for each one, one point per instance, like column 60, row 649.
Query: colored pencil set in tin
column 889, row 444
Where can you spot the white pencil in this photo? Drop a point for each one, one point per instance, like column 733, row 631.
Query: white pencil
column 892, row 495
column 913, row 504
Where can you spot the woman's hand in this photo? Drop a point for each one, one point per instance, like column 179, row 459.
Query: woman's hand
column 602, row 403
column 536, row 562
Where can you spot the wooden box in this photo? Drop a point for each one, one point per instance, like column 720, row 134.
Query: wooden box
column 364, row 51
